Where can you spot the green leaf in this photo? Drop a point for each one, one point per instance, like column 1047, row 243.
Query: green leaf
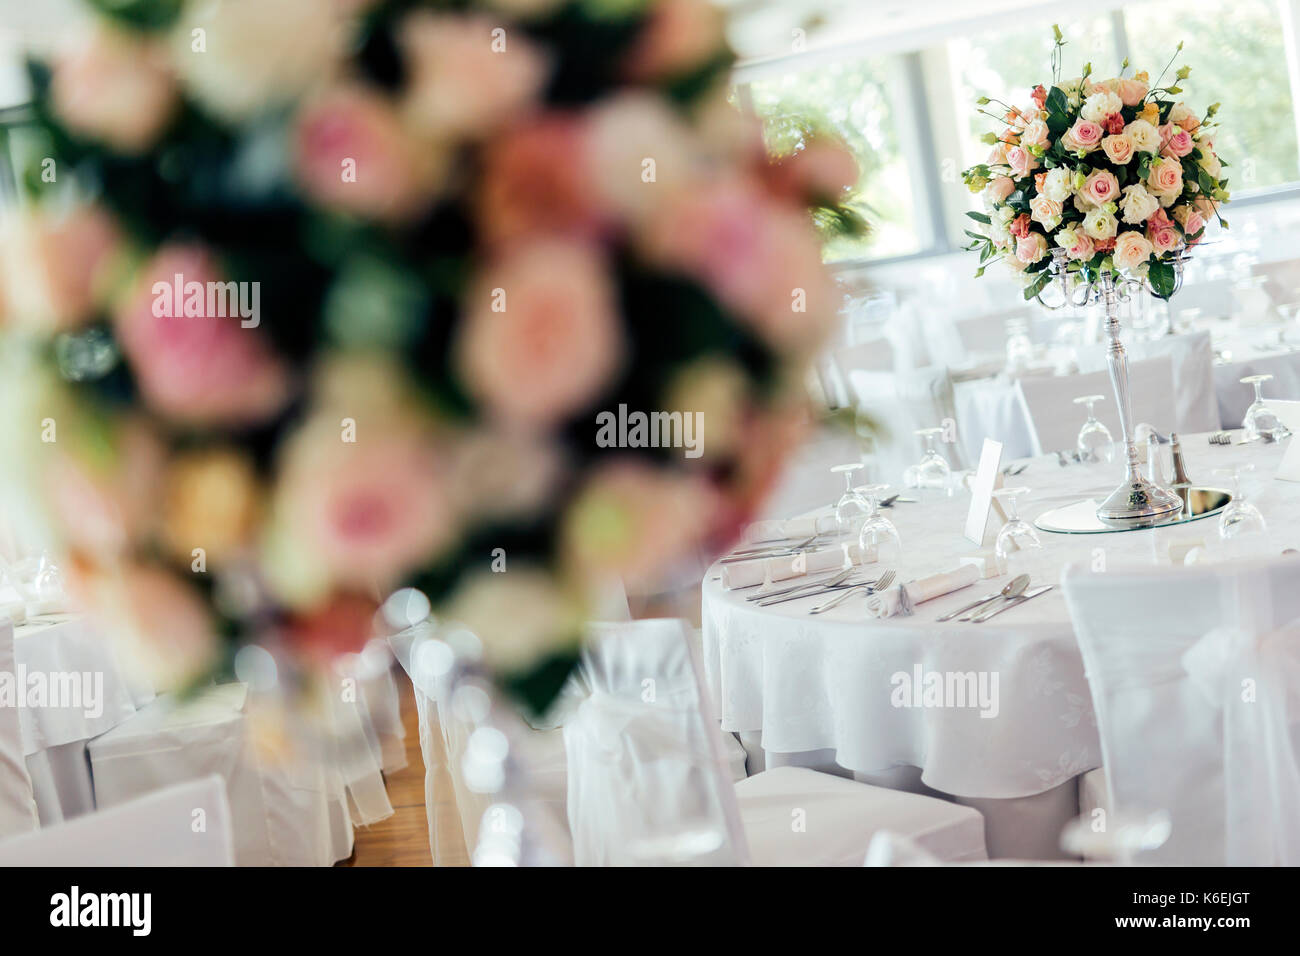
column 140, row 14
column 979, row 217
column 1037, row 286
column 1161, row 277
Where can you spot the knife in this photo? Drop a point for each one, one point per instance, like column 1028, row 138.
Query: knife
column 985, row 615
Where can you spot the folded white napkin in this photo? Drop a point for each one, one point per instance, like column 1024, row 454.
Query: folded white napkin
column 743, row 574
column 902, row 597
column 781, row 530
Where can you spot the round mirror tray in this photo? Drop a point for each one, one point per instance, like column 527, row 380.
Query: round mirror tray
column 1081, row 517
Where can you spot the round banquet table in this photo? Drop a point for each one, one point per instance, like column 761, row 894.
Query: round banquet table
column 812, row 689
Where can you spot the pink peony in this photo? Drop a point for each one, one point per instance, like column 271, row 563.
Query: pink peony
column 196, row 368
column 541, row 336
column 114, row 89
column 459, row 85
column 352, row 154
column 536, row 178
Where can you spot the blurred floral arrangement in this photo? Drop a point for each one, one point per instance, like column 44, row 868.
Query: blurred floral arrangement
column 327, row 298
column 1116, row 172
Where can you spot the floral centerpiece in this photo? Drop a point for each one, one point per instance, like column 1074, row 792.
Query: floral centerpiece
column 334, row 298
column 1109, row 174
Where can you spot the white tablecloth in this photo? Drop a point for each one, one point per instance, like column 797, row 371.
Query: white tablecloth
column 825, row 683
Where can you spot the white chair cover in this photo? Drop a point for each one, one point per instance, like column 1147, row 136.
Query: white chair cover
column 1213, row 297
column 1196, row 409
column 17, row 800
column 1282, row 280
column 185, row 825
column 901, row 403
column 1195, row 676
column 648, row 780
column 1055, row 420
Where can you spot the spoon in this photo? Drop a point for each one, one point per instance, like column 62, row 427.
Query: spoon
column 1014, row 588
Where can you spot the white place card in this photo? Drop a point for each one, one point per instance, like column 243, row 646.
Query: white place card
column 981, row 491
column 1288, row 414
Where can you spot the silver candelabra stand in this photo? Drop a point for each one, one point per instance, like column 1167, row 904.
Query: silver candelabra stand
column 1138, row 502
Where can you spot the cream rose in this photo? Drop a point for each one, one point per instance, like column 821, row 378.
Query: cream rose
column 1046, row 211
column 1131, row 250
column 998, row 190
column 1181, row 115
column 1137, row 204
column 1101, row 187
column 1118, row 148
column 1145, row 137
column 1210, row 162
column 1131, row 91
column 1099, row 224
column 1165, row 178
column 1035, row 134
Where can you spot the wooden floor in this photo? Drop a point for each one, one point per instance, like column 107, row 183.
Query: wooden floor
column 403, row 839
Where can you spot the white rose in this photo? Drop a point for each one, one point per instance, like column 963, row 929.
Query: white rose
column 1210, row 163
column 1145, row 137
column 1099, row 224
column 1137, row 204
column 1058, row 184
column 1046, row 211
column 257, row 55
column 1180, row 113
column 1100, row 105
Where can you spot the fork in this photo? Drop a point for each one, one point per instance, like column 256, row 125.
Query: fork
column 882, row 582
column 1220, row 438
column 838, row 577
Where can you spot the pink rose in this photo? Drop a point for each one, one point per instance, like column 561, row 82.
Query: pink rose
column 1084, row 136
column 114, row 89
column 1076, row 243
column 1192, row 223
column 175, row 639
column 678, row 37
column 999, row 189
column 1165, row 178
column 536, row 178
column 541, row 336
column 1131, row 250
column 758, row 256
column 459, row 85
column 1031, row 248
column 1162, row 232
column 1177, row 141
column 997, row 155
column 1118, row 149
column 60, row 266
column 1131, row 92
column 369, row 511
column 191, row 366
column 1021, row 161
column 352, row 154
column 1101, row 187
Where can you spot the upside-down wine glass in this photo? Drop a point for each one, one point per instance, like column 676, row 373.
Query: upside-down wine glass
column 851, row 508
column 1016, row 536
column 932, row 471
column 878, row 533
column 1095, row 443
column 1260, row 422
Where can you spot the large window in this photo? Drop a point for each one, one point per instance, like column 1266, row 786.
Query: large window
column 911, row 116
column 1237, row 57
column 856, row 100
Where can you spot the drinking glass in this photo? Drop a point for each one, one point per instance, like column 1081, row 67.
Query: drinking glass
column 1020, row 348
column 1095, row 443
column 932, row 471
column 1260, row 422
column 1240, row 519
column 1016, row 537
column 851, row 508
column 878, row 532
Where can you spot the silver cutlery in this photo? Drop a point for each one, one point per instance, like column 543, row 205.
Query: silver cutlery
column 1012, row 470
column 1220, row 438
column 807, row 593
column 1014, row 588
column 835, row 577
column 1014, row 602
column 882, row 582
